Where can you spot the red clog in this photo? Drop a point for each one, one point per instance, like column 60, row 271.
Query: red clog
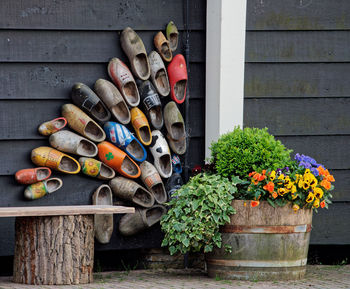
column 31, row 176
column 177, row 73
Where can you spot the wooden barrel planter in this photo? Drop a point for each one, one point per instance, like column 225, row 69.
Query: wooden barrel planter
column 267, row 244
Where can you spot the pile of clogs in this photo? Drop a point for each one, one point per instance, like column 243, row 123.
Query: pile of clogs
column 117, row 131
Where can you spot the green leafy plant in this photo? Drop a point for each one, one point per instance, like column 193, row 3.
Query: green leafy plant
column 196, row 212
column 240, row 152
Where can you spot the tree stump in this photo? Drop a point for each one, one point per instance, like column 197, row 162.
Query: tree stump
column 54, row 250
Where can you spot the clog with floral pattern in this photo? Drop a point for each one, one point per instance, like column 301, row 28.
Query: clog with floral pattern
column 40, row 189
column 96, row 169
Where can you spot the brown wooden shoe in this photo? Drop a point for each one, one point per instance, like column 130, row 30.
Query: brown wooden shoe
column 172, row 34
column 113, row 99
column 142, row 219
column 135, row 50
column 163, row 47
column 103, row 223
column 125, row 82
column 159, row 75
column 131, row 191
column 153, row 182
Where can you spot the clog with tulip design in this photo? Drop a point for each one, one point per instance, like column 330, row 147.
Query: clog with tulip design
column 40, row 189
column 96, row 169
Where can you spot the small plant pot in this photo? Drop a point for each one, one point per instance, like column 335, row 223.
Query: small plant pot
column 267, row 244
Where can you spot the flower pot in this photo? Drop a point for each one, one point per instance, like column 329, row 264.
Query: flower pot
column 267, row 244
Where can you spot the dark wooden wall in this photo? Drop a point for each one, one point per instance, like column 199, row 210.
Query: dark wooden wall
column 45, row 47
column 297, row 84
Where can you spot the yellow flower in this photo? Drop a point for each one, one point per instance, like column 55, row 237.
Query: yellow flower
column 310, row 198
column 307, row 171
column 293, row 189
column 306, row 186
column 318, row 193
column 294, row 196
column 288, row 183
column 300, row 183
column 282, row 191
column 316, row 203
column 295, row 208
column 281, row 177
column 272, row 175
column 298, row 178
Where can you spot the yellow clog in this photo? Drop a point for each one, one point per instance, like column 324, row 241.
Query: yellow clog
column 141, row 126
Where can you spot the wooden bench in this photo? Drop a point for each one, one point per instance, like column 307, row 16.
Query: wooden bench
column 55, row 244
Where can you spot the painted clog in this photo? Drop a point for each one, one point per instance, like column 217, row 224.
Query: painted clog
column 161, row 154
column 40, row 189
column 151, row 104
column 172, row 34
column 153, row 182
column 120, row 136
column 135, row 50
column 96, row 169
column 54, row 159
column 86, row 99
column 125, row 82
column 174, row 183
column 82, row 123
column 131, row 191
column 142, row 219
column 177, row 73
column 118, row 160
column 176, row 164
column 69, row 142
column 159, row 75
column 163, row 47
column 52, row 126
column 103, row 224
column 115, row 102
column 31, row 176
column 141, row 126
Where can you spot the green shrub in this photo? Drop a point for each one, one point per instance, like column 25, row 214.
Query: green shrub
column 240, row 152
column 195, row 214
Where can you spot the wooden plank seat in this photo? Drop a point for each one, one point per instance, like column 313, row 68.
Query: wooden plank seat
column 55, row 244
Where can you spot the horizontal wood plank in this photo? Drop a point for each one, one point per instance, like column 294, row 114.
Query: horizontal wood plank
column 330, row 227
column 54, row 80
column 331, row 151
column 35, row 112
column 298, row 46
column 294, row 116
column 100, row 15
column 80, row 46
column 296, row 80
column 297, row 15
column 63, row 211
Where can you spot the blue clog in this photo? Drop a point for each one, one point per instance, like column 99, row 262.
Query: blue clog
column 175, row 161
column 120, row 136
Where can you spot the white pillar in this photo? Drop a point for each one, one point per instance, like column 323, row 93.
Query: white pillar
column 226, row 24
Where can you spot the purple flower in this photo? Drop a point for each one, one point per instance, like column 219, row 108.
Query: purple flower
column 305, row 165
column 314, row 171
column 286, row 169
column 297, row 157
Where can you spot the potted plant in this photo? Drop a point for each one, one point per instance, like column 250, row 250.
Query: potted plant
column 268, row 237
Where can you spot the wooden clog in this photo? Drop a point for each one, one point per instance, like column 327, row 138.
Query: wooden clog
column 153, row 182
column 151, row 104
column 142, row 219
column 174, row 183
column 177, row 73
column 86, row 99
column 163, row 47
column 54, row 159
column 118, row 160
column 135, row 50
column 115, row 102
column 131, row 191
column 31, row 176
column 159, row 75
column 103, row 224
column 49, row 127
column 176, row 164
column 125, row 82
column 82, row 123
column 120, row 136
column 172, row 34
column 96, row 169
column 161, row 154
column 40, row 189
column 69, row 142
column 141, row 126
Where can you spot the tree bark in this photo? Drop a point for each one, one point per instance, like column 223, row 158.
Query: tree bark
column 54, row 250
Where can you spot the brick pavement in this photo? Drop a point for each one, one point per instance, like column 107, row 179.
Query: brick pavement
column 318, row 277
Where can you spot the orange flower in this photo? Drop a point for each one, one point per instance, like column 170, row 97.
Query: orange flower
column 322, row 204
column 330, row 178
column 269, row 187
column 326, row 184
column 254, row 203
column 274, row 195
column 321, row 171
column 251, row 174
column 264, row 172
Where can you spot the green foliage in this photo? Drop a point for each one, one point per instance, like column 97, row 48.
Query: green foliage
column 195, row 214
column 242, row 151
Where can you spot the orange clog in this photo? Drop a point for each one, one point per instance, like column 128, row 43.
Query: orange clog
column 54, row 159
column 141, row 126
column 118, row 160
column 31, row 176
